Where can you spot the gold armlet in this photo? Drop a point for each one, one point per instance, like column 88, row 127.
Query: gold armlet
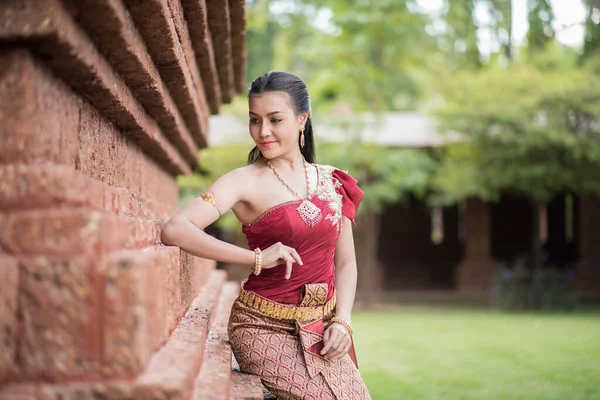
column 342, row 321
column 209, row 197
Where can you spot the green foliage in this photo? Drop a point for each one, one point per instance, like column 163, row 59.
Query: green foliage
column 462, row 34
column 540, row 21
column 524, row 130
column 363, row 56
column 591, row 47
column 386, row 175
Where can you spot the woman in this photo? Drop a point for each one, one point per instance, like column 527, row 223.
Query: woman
column 291, row 323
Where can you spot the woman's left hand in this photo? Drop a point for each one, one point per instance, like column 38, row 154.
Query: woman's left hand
column 337, row 341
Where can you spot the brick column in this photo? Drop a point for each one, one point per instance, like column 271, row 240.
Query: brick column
column 587, row 269
column 476, row 271
column 366, row 239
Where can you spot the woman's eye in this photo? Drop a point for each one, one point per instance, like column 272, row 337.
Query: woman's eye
column 275, row 120
column 254, row 121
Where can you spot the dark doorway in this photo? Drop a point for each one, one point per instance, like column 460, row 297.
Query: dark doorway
column 410, row 260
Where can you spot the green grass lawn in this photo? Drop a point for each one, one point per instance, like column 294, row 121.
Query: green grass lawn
column 426, row 353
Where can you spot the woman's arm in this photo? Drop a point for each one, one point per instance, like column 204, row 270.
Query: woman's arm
column 345, row 272
column 337, row 338
column 186, row 228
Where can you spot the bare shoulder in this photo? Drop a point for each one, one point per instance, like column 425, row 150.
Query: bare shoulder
column 239, row 180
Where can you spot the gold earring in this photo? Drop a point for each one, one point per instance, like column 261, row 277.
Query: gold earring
column 302, row 137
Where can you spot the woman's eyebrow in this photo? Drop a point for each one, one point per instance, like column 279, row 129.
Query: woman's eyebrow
column 271, row 113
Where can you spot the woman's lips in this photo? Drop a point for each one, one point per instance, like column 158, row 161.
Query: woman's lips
column 268, row 144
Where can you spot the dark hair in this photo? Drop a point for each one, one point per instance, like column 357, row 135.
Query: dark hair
column 279, row 81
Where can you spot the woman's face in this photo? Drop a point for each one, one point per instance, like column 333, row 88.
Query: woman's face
column 273, row 124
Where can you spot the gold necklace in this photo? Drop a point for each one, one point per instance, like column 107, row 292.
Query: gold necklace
column 309, row 212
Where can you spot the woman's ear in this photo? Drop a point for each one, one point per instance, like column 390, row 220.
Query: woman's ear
column 302, row 118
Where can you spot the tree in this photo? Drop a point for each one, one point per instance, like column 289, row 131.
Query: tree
column 591, row 46
column 524, row 131
column 540, row 31
column 462, row 34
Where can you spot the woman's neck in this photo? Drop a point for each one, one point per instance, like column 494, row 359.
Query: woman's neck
column 293, row 162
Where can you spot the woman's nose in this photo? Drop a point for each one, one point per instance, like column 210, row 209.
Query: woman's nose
column 264, row 130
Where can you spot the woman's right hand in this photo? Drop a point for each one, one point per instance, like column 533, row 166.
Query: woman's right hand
column 278, row 254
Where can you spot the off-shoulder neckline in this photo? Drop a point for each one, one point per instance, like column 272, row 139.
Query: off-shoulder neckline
column 269, row 210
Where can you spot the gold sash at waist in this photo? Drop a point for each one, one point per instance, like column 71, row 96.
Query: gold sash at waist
column 280, row 311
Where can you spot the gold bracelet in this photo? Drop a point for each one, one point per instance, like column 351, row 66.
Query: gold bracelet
column 342, row 321
column 257, row 261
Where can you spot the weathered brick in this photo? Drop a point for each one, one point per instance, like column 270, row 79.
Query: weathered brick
column 157, row 27
column 32, row 186
column 77, row 136
column 237, row 11
column 57, row 326
column 246, row 386
column 28, row 99
column 220, row 30
column 195, row 10
column 183, row 34
column 19, row 392
column 172, row 369
column 214, row 379
column 86, row 390
column 72, row 56
column 78, row 231
column 28, row 186
column 141, row 305
column 9, row 286
column 113, row 31
column 156, row 184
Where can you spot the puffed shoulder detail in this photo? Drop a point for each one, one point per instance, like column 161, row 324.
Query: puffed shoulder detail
column 351, row 194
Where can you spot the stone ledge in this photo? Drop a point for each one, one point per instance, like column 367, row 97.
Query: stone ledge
column 174, row 367
column 246, row 387
column 79, row 136
column 75, row 231
column 50, row 31
column 220, row 30
column 237, row 11
column 27, row 187
column 214, row 380
column 195, row 10
column 157, row 26
column 9, row 290
column 114, row 32
column 169, row 374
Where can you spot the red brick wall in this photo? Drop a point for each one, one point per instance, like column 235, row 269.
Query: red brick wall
column 78, row 202
column 93, row 131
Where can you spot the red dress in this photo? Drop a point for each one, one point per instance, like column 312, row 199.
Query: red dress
column 337, row 194
column 279, row 351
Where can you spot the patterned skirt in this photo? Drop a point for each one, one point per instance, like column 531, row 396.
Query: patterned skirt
column 282, row 353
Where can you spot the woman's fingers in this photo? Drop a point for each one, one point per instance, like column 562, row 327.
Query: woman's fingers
column 337, row 343
column 279, row 254
column 294, row 254
column 329, row 340
column 289, row 260
column 346, row 348
column 341, row 350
